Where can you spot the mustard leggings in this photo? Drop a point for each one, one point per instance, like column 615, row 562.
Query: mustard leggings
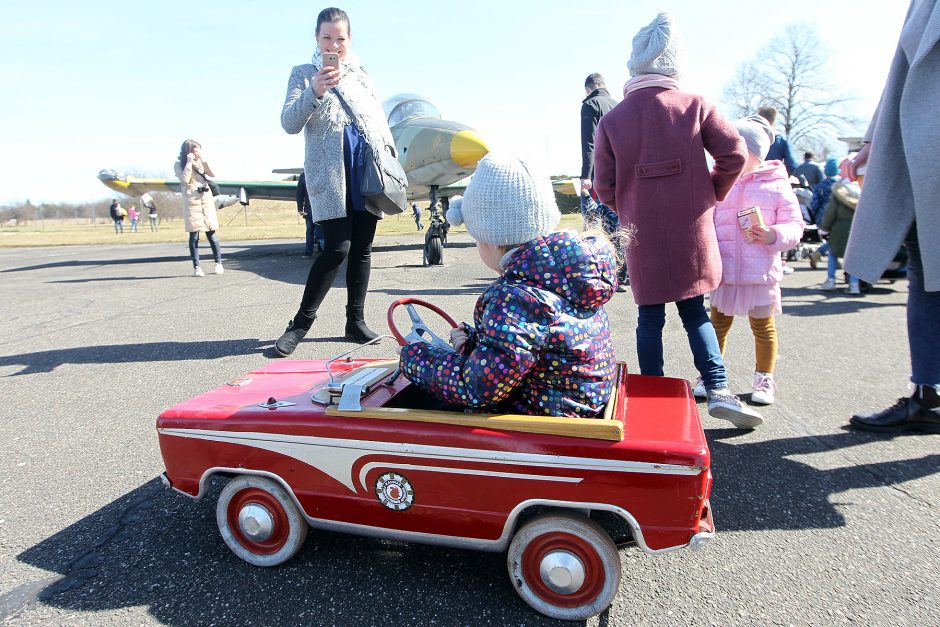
column 765, row 338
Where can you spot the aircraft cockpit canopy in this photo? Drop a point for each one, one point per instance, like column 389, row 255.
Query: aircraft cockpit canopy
column 408, row 106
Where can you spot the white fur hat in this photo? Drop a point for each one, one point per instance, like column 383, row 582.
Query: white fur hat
column 656, row 48
column 507, row 202
column 757, row 134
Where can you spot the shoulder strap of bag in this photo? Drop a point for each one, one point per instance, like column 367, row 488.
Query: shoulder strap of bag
column 357, row 122
column 352, row 116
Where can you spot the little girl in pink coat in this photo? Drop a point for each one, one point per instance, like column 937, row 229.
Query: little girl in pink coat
column 750, row 257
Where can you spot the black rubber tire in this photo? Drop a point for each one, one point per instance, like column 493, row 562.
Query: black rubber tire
column 435, row 252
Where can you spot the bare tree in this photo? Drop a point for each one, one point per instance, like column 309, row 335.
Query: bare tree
column 792, row 74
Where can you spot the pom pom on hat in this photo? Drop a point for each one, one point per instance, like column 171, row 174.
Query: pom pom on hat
column 507, row 202
column 454, row 212
column 757, row 134
column 656, row 48
column 832, row 167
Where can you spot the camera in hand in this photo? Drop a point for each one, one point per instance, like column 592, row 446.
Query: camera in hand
column 202, row 189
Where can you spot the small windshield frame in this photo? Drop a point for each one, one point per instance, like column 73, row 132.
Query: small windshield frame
column 407, row 107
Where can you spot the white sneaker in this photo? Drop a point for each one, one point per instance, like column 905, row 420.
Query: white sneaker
column 219, row 269
column 197, row 271
column 725, row 405
column 828, row 285
column 853, row 290
column 698, row 389
column 787, row 270
column 763, row 388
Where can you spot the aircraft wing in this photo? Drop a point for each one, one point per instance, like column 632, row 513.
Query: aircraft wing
column 262, row 190
column 565, row 186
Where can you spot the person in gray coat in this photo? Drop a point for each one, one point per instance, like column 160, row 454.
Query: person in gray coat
column 900, row 203
column 333, row 169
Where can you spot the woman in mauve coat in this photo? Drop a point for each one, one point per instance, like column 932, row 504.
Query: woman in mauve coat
column 650, row 166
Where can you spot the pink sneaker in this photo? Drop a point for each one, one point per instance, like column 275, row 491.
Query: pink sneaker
column 763, row 388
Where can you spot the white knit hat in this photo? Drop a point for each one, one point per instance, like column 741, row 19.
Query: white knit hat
column 656, row 48
column 507, row 202
column 757, row 134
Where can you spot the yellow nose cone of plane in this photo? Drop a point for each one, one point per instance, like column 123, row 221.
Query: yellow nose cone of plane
column 467, row 148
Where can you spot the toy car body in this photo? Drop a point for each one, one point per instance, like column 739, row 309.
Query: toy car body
column 352, row 447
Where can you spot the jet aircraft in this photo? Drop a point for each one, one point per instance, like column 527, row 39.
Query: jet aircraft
column 437, row 155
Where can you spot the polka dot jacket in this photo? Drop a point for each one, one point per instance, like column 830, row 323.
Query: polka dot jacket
column 541, row 339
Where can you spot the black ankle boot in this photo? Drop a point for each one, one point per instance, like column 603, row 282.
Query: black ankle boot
column 919, row 412
column 356, row 329
column 296, row 330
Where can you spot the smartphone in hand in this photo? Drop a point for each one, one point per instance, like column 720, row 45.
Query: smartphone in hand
column 330, row 59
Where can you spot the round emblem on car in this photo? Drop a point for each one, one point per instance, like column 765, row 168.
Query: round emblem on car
column 394, row 491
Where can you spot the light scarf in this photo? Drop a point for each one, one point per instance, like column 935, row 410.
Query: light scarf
column 649, row 80
column 359, row 92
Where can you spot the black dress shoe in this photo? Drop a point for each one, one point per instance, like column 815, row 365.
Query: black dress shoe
column 905, row 415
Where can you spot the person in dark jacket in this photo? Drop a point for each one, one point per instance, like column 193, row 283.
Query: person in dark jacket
column 837, row 223
column 116, row 216
column 780, row 148
column 314, row 236
column 593, row 108
column 540, row 340
column 810, row 171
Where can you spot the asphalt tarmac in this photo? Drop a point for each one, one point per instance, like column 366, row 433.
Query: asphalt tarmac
column 817, row 524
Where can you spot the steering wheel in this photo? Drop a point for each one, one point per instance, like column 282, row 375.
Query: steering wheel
column 419, row 330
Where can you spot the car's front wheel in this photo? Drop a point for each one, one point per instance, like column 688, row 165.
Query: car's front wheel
column 564, row 565
column 259, row 521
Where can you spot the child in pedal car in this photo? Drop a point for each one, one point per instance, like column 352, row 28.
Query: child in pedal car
column 540, row 340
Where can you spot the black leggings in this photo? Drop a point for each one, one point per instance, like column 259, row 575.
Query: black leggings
column 351, row 237
column 213, row 244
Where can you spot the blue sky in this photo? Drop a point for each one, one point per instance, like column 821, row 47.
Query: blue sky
column 92, row 85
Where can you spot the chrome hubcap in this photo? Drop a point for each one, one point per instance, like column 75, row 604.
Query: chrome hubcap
column 256, row 522
column 562, row 572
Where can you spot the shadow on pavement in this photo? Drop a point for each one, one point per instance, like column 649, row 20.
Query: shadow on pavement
column 47, row 361
column 804, row 301
column 158, row 549
column 155, row 548
column 758, row 488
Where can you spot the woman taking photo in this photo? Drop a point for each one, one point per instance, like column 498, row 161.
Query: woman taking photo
column 198, row 204
column 333, row 167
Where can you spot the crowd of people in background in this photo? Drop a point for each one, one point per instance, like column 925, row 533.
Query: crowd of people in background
column 118, row 214
column 683, row 211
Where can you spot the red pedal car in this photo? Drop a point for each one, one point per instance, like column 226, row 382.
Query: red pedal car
column 348, row 445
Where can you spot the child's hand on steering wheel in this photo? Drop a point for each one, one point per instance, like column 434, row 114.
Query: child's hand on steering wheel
column 459, row 337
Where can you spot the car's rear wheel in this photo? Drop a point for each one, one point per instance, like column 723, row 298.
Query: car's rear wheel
column 564, row 565
column 259, row 521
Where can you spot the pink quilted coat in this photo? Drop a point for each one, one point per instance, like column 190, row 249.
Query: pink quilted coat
column 767, row 187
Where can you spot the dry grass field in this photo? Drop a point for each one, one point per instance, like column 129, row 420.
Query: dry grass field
column 264, row 219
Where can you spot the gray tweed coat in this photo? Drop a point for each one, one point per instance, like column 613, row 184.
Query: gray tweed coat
column 322, row 120
column 902, row 182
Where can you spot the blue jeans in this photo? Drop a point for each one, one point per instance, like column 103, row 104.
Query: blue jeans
column 833, row 265
column 702, row 341
column 213, row 244
column 923, row 319
column 314, row 236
